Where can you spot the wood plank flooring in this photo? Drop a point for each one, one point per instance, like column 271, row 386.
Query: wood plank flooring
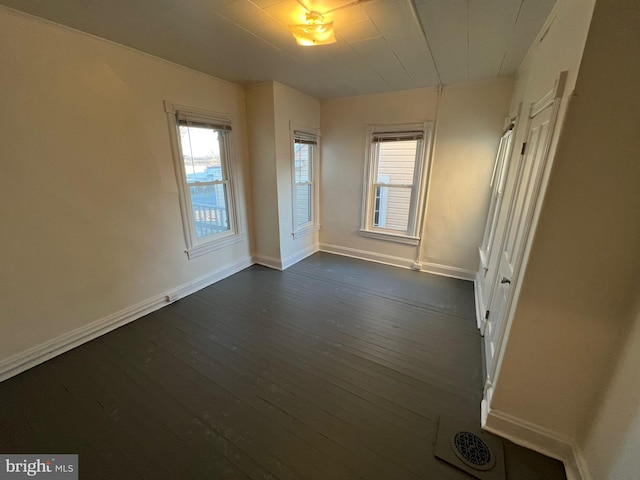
column 334, row 369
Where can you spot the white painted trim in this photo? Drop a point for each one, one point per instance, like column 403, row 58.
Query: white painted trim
column 434, row 268
column 528, row 434
column 298, row 256
column 535, row 437
column 31, row 357
column 418, row 189
column 576, row 467
column 314, row 224
column 480, row 308
column 448, row 271
column 390, row 237
column 196, row 247
column 267, row 261
column 224, row 242
column 303, row 232
column 366, row 255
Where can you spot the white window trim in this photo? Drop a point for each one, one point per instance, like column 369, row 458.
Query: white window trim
column 314, row 224
column 196, row 247
column 412, row 237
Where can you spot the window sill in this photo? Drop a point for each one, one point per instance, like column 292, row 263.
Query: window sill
column 302, row 232
column 214, row 245
column 390, row 237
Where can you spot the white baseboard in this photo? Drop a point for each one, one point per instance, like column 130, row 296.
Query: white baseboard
column 269, row 262
column 366, row 255
column 31, row 357
column 298, row 256
column 434, row 268
column 447, row 271
column 535, row 437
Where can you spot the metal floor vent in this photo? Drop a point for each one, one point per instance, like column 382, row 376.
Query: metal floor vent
column 464, row 445
column 472, row 450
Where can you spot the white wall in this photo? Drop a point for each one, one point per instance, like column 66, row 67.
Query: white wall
column 584, row 260
column 262, row 148
column 89, row 200
column 610, row 448
column 301, row 109
column 471, row 118
column 344, row 124
column 271, row 107
column 560, row 50
column 470, row 123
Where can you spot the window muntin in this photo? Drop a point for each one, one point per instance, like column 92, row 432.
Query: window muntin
column 305, row 154
column 201, row 144
column 395, row 171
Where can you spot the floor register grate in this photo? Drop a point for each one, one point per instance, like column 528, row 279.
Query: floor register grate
column 465, row 446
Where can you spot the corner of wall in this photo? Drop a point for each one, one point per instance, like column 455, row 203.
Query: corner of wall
column 537, row 438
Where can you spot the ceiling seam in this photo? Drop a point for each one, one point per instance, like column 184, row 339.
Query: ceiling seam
column 513, row 30
column 416, row 17
column 409, row 76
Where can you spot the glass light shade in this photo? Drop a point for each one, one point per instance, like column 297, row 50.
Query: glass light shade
column 314, row 32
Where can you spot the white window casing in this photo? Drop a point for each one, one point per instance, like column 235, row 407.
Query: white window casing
column 395, row 181
column 305, row 148
column 207, row 191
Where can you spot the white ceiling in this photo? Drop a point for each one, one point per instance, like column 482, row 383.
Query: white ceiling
column 383, row 45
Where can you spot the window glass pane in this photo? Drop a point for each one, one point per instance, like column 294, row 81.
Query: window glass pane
column 303, row 204
column 210, row 212
column 391, row 208
column 396, row 162
column 302, row 158
column 201, row 153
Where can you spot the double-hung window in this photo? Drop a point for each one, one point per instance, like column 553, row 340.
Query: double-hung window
column 304, row 156
column 201, row 147
column 395, row 181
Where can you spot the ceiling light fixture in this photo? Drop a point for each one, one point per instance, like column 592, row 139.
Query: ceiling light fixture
column 314, row 32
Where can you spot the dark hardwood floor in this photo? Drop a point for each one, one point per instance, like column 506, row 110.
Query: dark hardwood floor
column 334, row 369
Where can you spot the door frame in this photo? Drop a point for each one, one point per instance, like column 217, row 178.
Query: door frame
column 552, row 99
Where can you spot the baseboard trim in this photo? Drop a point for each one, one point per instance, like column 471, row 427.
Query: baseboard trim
column 448, row 271
column 367, row 255
column 31, row 357
column 535, row 437
column 298, row 256
column 269, row 262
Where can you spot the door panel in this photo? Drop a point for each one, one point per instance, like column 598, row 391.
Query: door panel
column 490, row 246
column 518, row 223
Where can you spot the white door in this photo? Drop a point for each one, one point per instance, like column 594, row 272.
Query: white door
column 486, row 277
column 527, row 187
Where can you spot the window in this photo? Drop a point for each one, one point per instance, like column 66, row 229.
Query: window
column 202, row 154
column 305, row 153
column 395, row 179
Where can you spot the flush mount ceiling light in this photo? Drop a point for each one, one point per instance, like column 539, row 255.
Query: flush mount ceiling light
column 314, row 32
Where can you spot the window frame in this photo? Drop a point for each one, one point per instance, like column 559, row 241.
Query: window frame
column 195, row 246
column 309, row 134
column 418, row 187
